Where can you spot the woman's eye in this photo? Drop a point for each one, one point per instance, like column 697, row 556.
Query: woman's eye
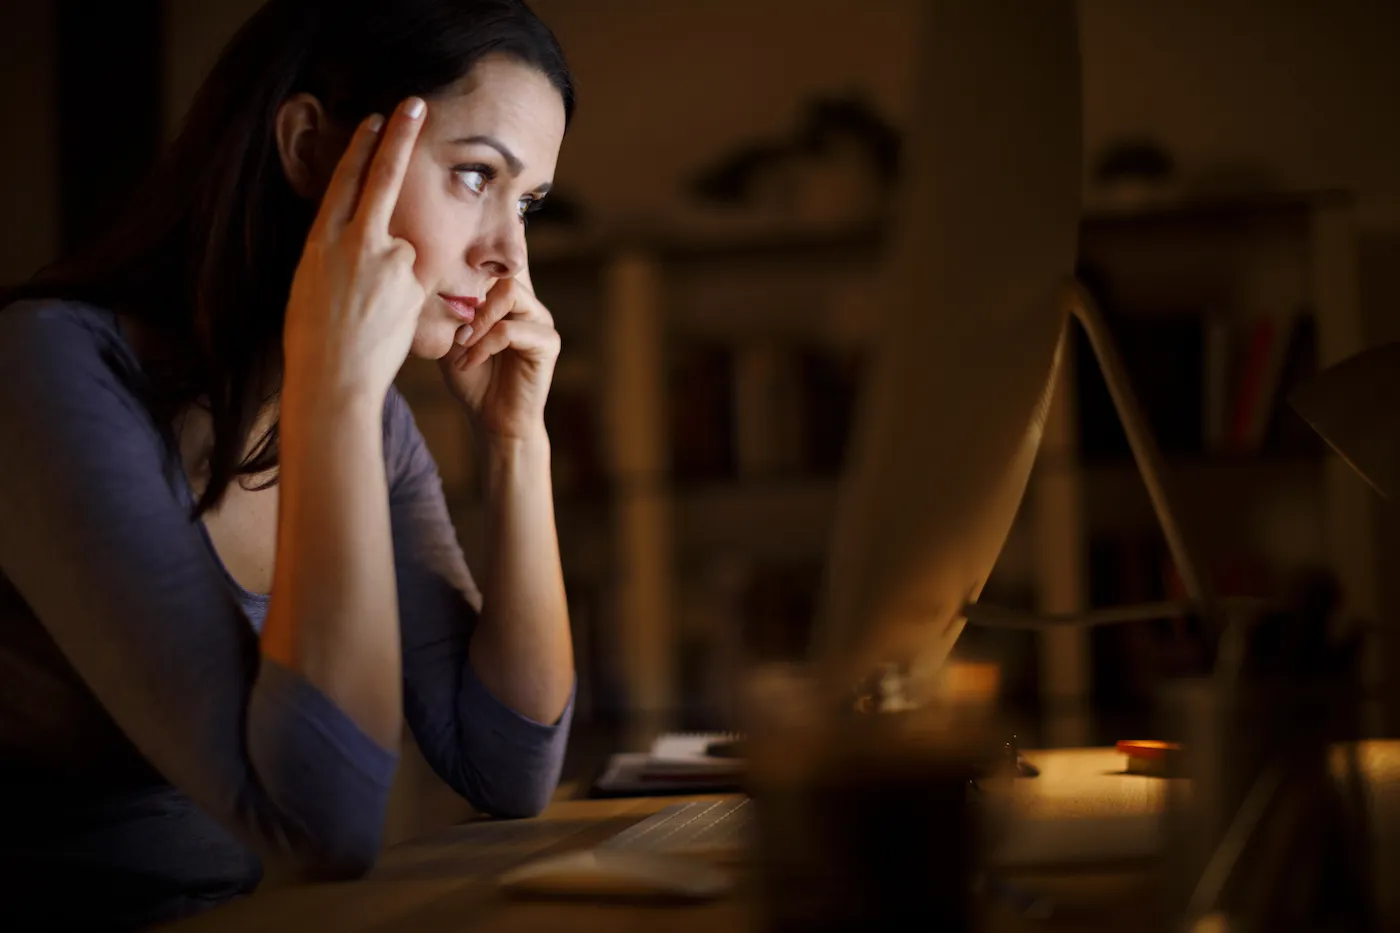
column 475, row 179
column 525, row 206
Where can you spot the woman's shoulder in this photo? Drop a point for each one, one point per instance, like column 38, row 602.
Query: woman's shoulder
column 52, row 325
column 48, row 345
column 49, row 313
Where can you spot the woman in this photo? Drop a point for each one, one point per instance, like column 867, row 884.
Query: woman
column 229, row 573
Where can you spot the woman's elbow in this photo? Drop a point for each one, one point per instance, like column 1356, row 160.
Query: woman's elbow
column 515, row 801
column 331, row 844
column 339, row 859
column 523, row 807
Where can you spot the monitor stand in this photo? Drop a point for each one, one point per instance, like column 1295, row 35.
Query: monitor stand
column 1201, row 600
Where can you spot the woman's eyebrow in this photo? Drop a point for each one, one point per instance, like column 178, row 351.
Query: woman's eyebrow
column 512, row 161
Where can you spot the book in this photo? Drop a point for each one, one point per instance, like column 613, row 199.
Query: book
column 1219, row 342
column 1209, row 384
column 626, row 775
column 1261, row 371
column 676, row 763
column 701, row 390
column 688, row 753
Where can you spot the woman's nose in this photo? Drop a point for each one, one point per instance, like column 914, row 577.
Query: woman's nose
column 501, row 254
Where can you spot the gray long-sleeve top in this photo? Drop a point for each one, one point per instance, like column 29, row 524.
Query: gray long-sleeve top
column 147, row 750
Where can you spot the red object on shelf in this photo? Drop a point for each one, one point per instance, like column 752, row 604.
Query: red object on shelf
column 1252, row 388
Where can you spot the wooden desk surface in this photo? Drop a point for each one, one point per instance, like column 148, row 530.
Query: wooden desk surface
column 444, row 881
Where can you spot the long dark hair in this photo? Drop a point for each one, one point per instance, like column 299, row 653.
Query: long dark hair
column 206, row 252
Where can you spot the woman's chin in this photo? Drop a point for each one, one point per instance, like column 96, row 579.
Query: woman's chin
column 432, row 341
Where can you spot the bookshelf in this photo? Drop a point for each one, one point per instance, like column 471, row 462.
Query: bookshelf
column 706, row 389
column 1219, row 308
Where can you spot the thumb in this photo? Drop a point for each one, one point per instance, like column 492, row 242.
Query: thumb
column 448, row 365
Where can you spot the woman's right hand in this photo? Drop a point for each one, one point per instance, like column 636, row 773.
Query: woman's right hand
column 354, row 300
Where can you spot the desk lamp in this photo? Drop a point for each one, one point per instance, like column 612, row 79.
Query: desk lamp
column 1355, row 407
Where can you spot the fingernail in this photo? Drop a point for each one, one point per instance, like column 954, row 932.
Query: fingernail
column 375, row 123
column 414, row 108
column 463, row 335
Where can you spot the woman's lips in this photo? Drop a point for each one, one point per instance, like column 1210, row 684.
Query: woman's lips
column 464, row 308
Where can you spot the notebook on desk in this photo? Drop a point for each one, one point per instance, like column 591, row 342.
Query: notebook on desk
column 676, row 763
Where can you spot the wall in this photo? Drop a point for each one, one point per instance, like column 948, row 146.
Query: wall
column 29, row 145
column 1302, row 91
column 196, row 30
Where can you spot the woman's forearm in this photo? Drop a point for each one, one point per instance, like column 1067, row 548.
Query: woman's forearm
column 333, row 616
column 522, row 650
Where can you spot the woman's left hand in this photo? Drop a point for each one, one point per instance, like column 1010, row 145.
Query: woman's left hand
column 503, row 372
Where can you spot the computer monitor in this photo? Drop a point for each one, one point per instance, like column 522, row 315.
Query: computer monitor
column 973, row 318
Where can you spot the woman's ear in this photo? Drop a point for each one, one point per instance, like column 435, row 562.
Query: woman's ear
column 304, row 138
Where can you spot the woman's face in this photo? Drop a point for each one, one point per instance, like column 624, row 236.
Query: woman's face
column 485, row 156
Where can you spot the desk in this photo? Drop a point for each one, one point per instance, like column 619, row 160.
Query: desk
column 444, row 881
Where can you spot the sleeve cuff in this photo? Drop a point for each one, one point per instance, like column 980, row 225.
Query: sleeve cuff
column 286, row 706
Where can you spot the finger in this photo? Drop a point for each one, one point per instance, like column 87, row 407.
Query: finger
column 525, row 336
column 454, row 356
column 338, row 206
column 508, row 299
column 499, row 302
column 402, row 254
column 385, row 176
column 529, row 308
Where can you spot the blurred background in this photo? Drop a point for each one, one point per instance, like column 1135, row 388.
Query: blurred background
column 713, row 256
